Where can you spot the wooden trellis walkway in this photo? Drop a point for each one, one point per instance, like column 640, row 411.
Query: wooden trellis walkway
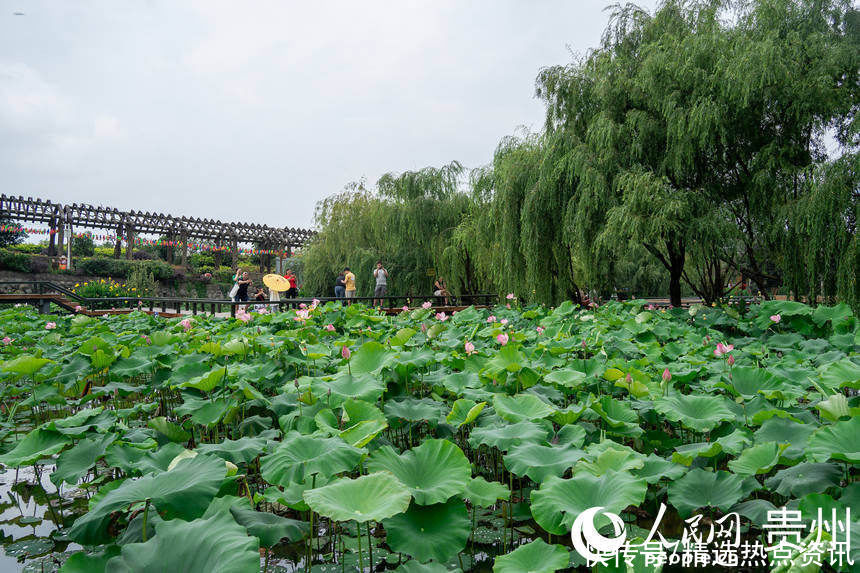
column 126, row 224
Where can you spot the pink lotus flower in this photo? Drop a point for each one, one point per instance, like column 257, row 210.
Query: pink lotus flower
column 51, row 326
column 502, row 339
column 242, row 314
column 405, row 308
column 186, row 324
column 315, row 302
column 344, row 351
column 491, row 319
column 329, row 327
column 423, row 327
column 469, row 347
column 731, row 360
column 7, row 341
column 508, row 306
column 302, row 315
column 303, row 306
column 667, row 376
column 776, row 318
column 262, row 310
column 504, row 321
column 539, row 329
column 510, row 296
column 427, row 305
column 723, row 349
column 651, row 307
column 441, row 316
column 79, row 308
column 628, row 379
column 582, row 344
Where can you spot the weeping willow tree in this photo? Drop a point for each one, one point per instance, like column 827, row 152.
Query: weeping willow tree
column 406, row 222
column 685, row 151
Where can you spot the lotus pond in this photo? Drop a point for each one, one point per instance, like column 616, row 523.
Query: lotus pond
column 339, row 439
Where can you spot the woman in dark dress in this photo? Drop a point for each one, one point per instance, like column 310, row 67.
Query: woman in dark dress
column 244, row 283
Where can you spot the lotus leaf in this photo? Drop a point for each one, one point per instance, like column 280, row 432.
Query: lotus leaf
column 375, row 497
column 433, row 471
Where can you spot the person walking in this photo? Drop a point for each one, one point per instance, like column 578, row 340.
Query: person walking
column 293, row 291
column 339, row 286
column 381, row 275
column 348, row 283
column 242, row 294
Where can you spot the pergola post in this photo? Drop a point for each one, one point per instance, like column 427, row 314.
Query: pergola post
column 234, row 251
column 69, row 245
column 129, row 242
column 217, row 254
column 184, row 248
column 51, row 245
column 117, row 246
column 61, row 234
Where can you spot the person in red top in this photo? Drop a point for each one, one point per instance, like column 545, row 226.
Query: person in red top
column 294, row 285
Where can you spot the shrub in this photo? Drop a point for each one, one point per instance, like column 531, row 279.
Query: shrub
column 141, row 281
column 30, row 248
column 83, row 246
column 13, row 261
column 122, row 268
column 39, row 264
column 142, row 256
column 104, row 288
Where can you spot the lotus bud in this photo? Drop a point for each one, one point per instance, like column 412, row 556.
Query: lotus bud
column 731, row 360
column 344, row 351
column 667, row 376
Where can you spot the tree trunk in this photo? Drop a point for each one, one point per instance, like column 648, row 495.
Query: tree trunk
column 675, row 285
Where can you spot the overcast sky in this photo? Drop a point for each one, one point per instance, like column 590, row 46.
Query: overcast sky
column 256, row 110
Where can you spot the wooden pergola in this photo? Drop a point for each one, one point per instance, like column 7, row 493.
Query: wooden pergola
column 128, row 224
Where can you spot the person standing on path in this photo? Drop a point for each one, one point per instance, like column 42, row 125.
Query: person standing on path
column 339, row 286
column 293, row 291
column 242, row 293
column 349, row 283
column 381, row 289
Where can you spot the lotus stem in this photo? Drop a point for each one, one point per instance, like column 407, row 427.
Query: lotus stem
column 145, row 514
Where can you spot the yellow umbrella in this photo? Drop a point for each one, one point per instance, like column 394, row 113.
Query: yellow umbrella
column 276, row 282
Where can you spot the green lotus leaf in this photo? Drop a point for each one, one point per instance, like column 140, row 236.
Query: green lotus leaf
column 374, row 496
column 620, row 417
column 750, row 382
column 415, row 566
column 428, row 532
column 75, row 463
column 558, row 501
column 699, row 413
column 134, row 365
column 25, row 365
column 755, row 510
column 412, row 409
column 238, row 451
column 298, row 457
column 654, row 468
column 842, row 374
column 483, row 493
column 567, row 377
column 534, row 557
column 521, row 408
column 206, row 382
column 360, row 434
column 758, row 459
column 402, row 336
column 355, row 411
column 539, row 462
column 786, row 431
column 359, row 386
column 170, row 430
column 839, row 441
column 700, row 488
column 269, row 528
column 370, row 358
column 805, row 478
column 507, row 359
column 38, row 444
column 506, row 437
column 736, row 442
column 836, row 408
column 182, row 492
column 216, row 544
column 83, row 562
column 612, row 458
column 433, row 471
column 464, row 411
